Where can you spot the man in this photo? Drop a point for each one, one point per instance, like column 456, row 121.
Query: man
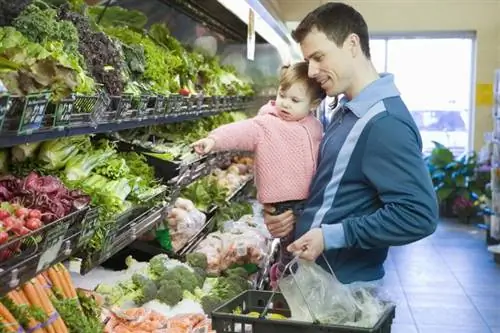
column 372, row 189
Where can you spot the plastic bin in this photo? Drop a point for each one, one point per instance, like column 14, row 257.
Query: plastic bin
column 224, row 321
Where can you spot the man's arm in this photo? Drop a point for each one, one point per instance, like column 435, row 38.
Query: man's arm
column 393, row 165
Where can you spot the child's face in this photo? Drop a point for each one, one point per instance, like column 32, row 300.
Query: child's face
column 294, row 103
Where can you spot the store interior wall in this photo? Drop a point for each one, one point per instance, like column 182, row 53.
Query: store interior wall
column 427, row 15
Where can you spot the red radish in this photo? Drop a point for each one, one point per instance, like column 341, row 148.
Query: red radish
column 3, row 237
column 33, row 224
column 184, row 92
column 8, row 222
column 24, row 231
column 21, row 212
column 4, row 214
column 34, row 213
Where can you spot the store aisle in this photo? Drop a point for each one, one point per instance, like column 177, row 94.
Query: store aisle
column 447, row 283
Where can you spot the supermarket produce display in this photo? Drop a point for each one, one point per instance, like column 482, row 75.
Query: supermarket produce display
column 109, row 222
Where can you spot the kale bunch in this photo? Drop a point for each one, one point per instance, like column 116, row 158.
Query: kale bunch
column 42, row 26
column 102, row 57
column 10, row 9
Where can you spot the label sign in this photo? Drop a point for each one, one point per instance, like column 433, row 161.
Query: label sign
column 101, row 107
column 107, row 249
column 5, row 104
column 89, row 226
column 160, row 105
column 142, row 109
column 63, row 112
column 34, row 112
column 176, row 103
column 124, row 111
column 53, row 242
column 251, row 35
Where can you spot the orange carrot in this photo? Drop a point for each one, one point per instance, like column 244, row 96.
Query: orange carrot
column 57, row 284
column 18, row 297
column 58, row 325
column 64, row 274
column 10, row 323
column 34, row 299
column 45, row 284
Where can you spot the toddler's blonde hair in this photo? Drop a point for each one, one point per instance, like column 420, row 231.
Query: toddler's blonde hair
column 298, row 72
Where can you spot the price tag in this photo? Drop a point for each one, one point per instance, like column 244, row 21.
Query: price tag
column 34, row 112
column 107, row 249
column 5, row 104
column 53, row 242
column 199, row 104
column 142, row 109
column 63, row 112
column 88, row 226
column 124, row 110
column 213, row 103
column 160, row 105
column 101, row 107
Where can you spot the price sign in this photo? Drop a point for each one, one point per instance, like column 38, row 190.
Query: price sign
column 89, row 225
column 101, row 107
column 178, row 100
column 5, row 104
column 124, row 111
column 107, row 249
column 34, row 112
column 160, row 105
column 53, row 242
column 143, row 105
column 63, row 113
column 215, row 103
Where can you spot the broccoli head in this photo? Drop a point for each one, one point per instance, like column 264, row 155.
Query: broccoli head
column 210, row 303
column 158, row 265
column 229, row 287
column 237, row 271
column 169, row 293
column 201, row 275
column 187, row 279
column 197, row 260
column 145, row 289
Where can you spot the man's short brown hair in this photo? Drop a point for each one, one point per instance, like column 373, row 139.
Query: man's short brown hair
column 337, row 21
column 298, row 72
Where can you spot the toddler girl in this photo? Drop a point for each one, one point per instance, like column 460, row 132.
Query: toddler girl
column 285, row 138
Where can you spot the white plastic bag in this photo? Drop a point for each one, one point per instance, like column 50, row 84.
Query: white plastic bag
column 315, row 295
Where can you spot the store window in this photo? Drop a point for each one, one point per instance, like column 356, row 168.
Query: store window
column 434, row 75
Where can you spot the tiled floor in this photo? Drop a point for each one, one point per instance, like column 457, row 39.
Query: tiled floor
column 447, row 283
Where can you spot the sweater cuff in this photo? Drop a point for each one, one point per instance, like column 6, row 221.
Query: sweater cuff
column 333, row 236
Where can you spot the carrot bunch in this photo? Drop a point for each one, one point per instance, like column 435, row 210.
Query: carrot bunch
column 47, row 303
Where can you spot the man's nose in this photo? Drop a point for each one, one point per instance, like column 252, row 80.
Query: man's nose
column 313, row 70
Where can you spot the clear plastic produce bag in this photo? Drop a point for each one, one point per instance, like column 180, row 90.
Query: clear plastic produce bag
column 315, row 295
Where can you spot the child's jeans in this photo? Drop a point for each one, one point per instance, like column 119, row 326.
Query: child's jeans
column 284, row 257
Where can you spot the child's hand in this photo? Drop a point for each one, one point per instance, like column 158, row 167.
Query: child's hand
column 203, row 146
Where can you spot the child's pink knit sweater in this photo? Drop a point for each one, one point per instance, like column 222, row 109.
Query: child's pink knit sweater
column 285, row 152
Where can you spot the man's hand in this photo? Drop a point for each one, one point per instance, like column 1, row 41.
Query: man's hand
column 278, row 225
column 203, row 146
column 310, row 246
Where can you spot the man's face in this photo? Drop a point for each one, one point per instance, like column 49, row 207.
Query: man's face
column 329, row 64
